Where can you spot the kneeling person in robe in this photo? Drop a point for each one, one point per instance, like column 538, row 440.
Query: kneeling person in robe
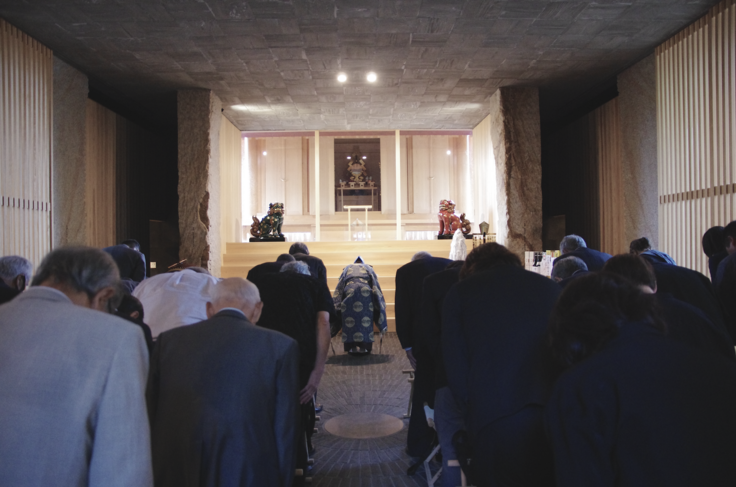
column 359, row 302
column 223, row 397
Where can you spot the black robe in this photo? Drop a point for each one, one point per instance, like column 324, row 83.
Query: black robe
column 645, row 411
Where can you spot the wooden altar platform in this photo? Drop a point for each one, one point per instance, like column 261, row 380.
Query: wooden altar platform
column 384, row 256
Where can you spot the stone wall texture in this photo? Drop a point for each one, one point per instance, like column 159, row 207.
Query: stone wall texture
column 199, row 119
column 69, row 211
column 515, row 132
column 637, row 100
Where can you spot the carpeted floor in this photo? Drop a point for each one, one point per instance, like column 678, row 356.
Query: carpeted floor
column 358, row 385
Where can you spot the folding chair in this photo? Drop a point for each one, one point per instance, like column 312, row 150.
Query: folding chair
column 432, row 479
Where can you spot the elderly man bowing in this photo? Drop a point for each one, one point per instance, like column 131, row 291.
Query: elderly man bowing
column 223, row 397
column 72, row 406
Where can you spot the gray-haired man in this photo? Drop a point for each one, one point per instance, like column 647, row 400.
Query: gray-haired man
column 15, row 274
column 72, row 408
column 223, row 397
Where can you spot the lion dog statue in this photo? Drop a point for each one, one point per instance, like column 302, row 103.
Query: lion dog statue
column 270, row 225
column 449, row 221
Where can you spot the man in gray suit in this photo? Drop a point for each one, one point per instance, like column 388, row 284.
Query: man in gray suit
column 223, row 397
column 72, row 380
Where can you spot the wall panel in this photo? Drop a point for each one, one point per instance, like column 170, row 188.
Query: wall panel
column 696, row 97
column 100, row 187
column 26, row 92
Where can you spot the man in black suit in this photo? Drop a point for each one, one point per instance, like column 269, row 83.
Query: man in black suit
column 575, row 246
column 499, row 367
column 685, row 322
column 15, row 274
column 129, row 259
column 635, row 408
column 448, row 417
column 269, row 267
column 726, row 278
column 693, row 288
column 300, row 251
column 408, row 300
column 223, row 397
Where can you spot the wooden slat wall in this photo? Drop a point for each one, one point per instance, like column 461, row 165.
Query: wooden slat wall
column 610, row 180
column 696, row 97
column 101, row 176
column 26, row 70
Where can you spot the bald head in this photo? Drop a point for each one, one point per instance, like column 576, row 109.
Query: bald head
column 237, row 293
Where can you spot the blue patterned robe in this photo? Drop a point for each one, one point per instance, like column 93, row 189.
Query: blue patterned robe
column 359, row 301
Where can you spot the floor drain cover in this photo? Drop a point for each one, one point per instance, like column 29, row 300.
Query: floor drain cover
column 364, row 425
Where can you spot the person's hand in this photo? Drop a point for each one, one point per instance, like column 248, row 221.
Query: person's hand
column 306, row 394
column 411, row 358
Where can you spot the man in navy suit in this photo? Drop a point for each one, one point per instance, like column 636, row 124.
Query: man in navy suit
column 223, row 397
column 575, row 246
column 408, row 300
column 129, row 259
column 499, row 367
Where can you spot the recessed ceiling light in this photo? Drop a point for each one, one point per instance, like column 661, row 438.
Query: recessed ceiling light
column 364, row 157
column 265, row 153
column 342, row 77
column 250, row 108
column 371, row 77
column 449, row 152
column 349, row 158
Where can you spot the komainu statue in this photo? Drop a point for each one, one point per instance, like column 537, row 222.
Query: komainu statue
column 270, row 225
column 449, row 221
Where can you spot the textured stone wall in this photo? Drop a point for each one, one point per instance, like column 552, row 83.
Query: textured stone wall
column 637, row 100
column 69, row 211
column 199, row 119
column 515, row 132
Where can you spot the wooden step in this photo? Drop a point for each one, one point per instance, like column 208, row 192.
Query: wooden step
column 317, row 248
column 335, row 258
column 386, row 273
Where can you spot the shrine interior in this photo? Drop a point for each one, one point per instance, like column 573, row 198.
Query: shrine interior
column 219, row 133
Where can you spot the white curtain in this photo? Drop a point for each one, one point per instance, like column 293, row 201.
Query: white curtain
column 483, row 176
column 281, row 168
column 441, row 171
column 388, row 175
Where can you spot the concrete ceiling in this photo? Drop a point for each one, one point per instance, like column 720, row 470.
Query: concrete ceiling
column 437, row 61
